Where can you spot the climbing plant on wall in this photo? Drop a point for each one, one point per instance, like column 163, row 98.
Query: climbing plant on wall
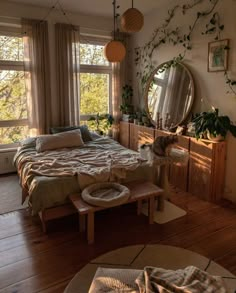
column 165, row 34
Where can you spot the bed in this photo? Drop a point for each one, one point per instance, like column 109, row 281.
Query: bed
column 49, row 176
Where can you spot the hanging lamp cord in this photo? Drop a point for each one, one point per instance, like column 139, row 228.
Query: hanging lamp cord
column 114, row 15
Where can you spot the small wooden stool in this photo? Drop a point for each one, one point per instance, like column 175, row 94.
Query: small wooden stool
column 139, row 191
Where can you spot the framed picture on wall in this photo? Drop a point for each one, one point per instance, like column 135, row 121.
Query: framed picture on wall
column 218, row 55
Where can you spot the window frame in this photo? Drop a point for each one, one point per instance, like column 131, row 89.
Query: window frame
column 102, row 69
column 14, row 66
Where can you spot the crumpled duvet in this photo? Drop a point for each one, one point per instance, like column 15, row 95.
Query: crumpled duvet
column 188, row 280
column 100, row 160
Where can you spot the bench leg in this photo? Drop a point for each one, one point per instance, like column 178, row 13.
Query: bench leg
column 160, row 203
column 139, row 207
column 151, row 209
column 42, row 218
column 90, row 228
column 82, row 220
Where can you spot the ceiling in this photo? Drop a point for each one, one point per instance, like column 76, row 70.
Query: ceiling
column 94, row 7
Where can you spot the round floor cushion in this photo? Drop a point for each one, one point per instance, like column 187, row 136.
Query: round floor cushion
column 108, row 194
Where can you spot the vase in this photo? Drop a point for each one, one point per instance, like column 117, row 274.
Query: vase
column 125, row 117
column 145, row 119
column 110, row 132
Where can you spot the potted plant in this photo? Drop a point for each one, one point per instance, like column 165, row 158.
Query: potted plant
column 108, row 124
column 101, row 123
column 126, row 107
column 213, row 125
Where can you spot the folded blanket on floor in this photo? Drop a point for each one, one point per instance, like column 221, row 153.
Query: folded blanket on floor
column 188, row 280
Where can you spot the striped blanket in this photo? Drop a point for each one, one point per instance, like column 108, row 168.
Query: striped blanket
column 188, row 280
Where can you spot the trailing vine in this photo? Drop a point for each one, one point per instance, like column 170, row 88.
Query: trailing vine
column 214, row 26
column 163, row 34
column 231, row 83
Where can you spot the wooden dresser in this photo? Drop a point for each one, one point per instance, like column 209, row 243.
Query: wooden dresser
column 205, row 173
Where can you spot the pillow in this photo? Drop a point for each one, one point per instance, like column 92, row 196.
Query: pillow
column 29, row 142
column 86, row 136
column 94, row 135
column 66, row 139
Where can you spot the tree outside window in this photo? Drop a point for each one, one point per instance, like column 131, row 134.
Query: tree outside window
column 13, row 101
column 95, row 79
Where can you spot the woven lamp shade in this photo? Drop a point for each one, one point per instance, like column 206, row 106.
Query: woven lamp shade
column 114, row 51
column 132, row 20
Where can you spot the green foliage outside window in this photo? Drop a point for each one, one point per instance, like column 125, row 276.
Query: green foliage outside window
column 100, row 123
column 94, row 84
column 13, row 102
column 92, row 54
column 11, row 48
column 94, row 87
column 94, row 93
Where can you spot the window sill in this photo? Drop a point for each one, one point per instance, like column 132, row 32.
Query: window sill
column 9, row 147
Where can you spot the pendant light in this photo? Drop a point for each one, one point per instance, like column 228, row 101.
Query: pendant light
column 132, row 20
column 114, row 50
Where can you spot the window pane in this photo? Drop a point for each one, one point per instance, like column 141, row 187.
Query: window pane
column 94, row 93
column 11, row 48
column 91, row 54
column 13, row 102
column 13, row 134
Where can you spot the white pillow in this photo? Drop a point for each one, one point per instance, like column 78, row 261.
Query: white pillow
column 66, row 139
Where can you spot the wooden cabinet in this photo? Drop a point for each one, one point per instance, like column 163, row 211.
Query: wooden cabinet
column 178, row 174
column 124, row 136
column 207, row 169
column 133, row 139
column 204, row 174
column 145, row 135
column 140, row 135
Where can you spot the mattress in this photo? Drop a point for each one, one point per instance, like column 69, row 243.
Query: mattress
column 49, row 177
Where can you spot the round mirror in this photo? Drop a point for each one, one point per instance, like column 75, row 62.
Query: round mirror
column 169, row 95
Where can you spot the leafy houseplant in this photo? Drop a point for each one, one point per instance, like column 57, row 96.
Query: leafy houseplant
column 215, row 126
column 101, row 123
column 126, row 107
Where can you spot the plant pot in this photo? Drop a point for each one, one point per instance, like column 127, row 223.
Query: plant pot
column 110, row 132
column 125, row 117
column 218, row 137
column 145, row 120
column 136, row 121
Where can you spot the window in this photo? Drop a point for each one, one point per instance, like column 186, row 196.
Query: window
column 95, row 79
column 13, row 101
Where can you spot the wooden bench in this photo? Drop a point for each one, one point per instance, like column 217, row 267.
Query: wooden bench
column 139, row 191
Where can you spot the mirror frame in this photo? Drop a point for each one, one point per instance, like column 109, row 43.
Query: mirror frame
column 147, row 90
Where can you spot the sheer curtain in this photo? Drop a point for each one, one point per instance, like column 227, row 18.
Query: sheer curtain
column 37, row 75
column 120, row 72
column 67, row 70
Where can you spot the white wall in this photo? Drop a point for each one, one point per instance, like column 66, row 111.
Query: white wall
column 210, row 86
column 12, row 12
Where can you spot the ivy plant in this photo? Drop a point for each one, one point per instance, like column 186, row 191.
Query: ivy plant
column 164, row 34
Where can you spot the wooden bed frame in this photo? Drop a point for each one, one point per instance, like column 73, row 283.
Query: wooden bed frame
column 55, row 213
column 51, row 213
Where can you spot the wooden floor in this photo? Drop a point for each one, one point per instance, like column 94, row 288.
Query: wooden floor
column 33, row 262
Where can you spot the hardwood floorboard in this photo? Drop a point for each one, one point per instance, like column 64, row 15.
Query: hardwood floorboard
column 206, row 224
column 228, row 259
column 58, row 288
column 40, row 244
column 217, row 243
column 31, row 261
column 15, row 223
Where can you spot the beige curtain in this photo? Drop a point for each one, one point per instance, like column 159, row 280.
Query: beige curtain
column 37, row 73
column 121, row 76
column 67, row 70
